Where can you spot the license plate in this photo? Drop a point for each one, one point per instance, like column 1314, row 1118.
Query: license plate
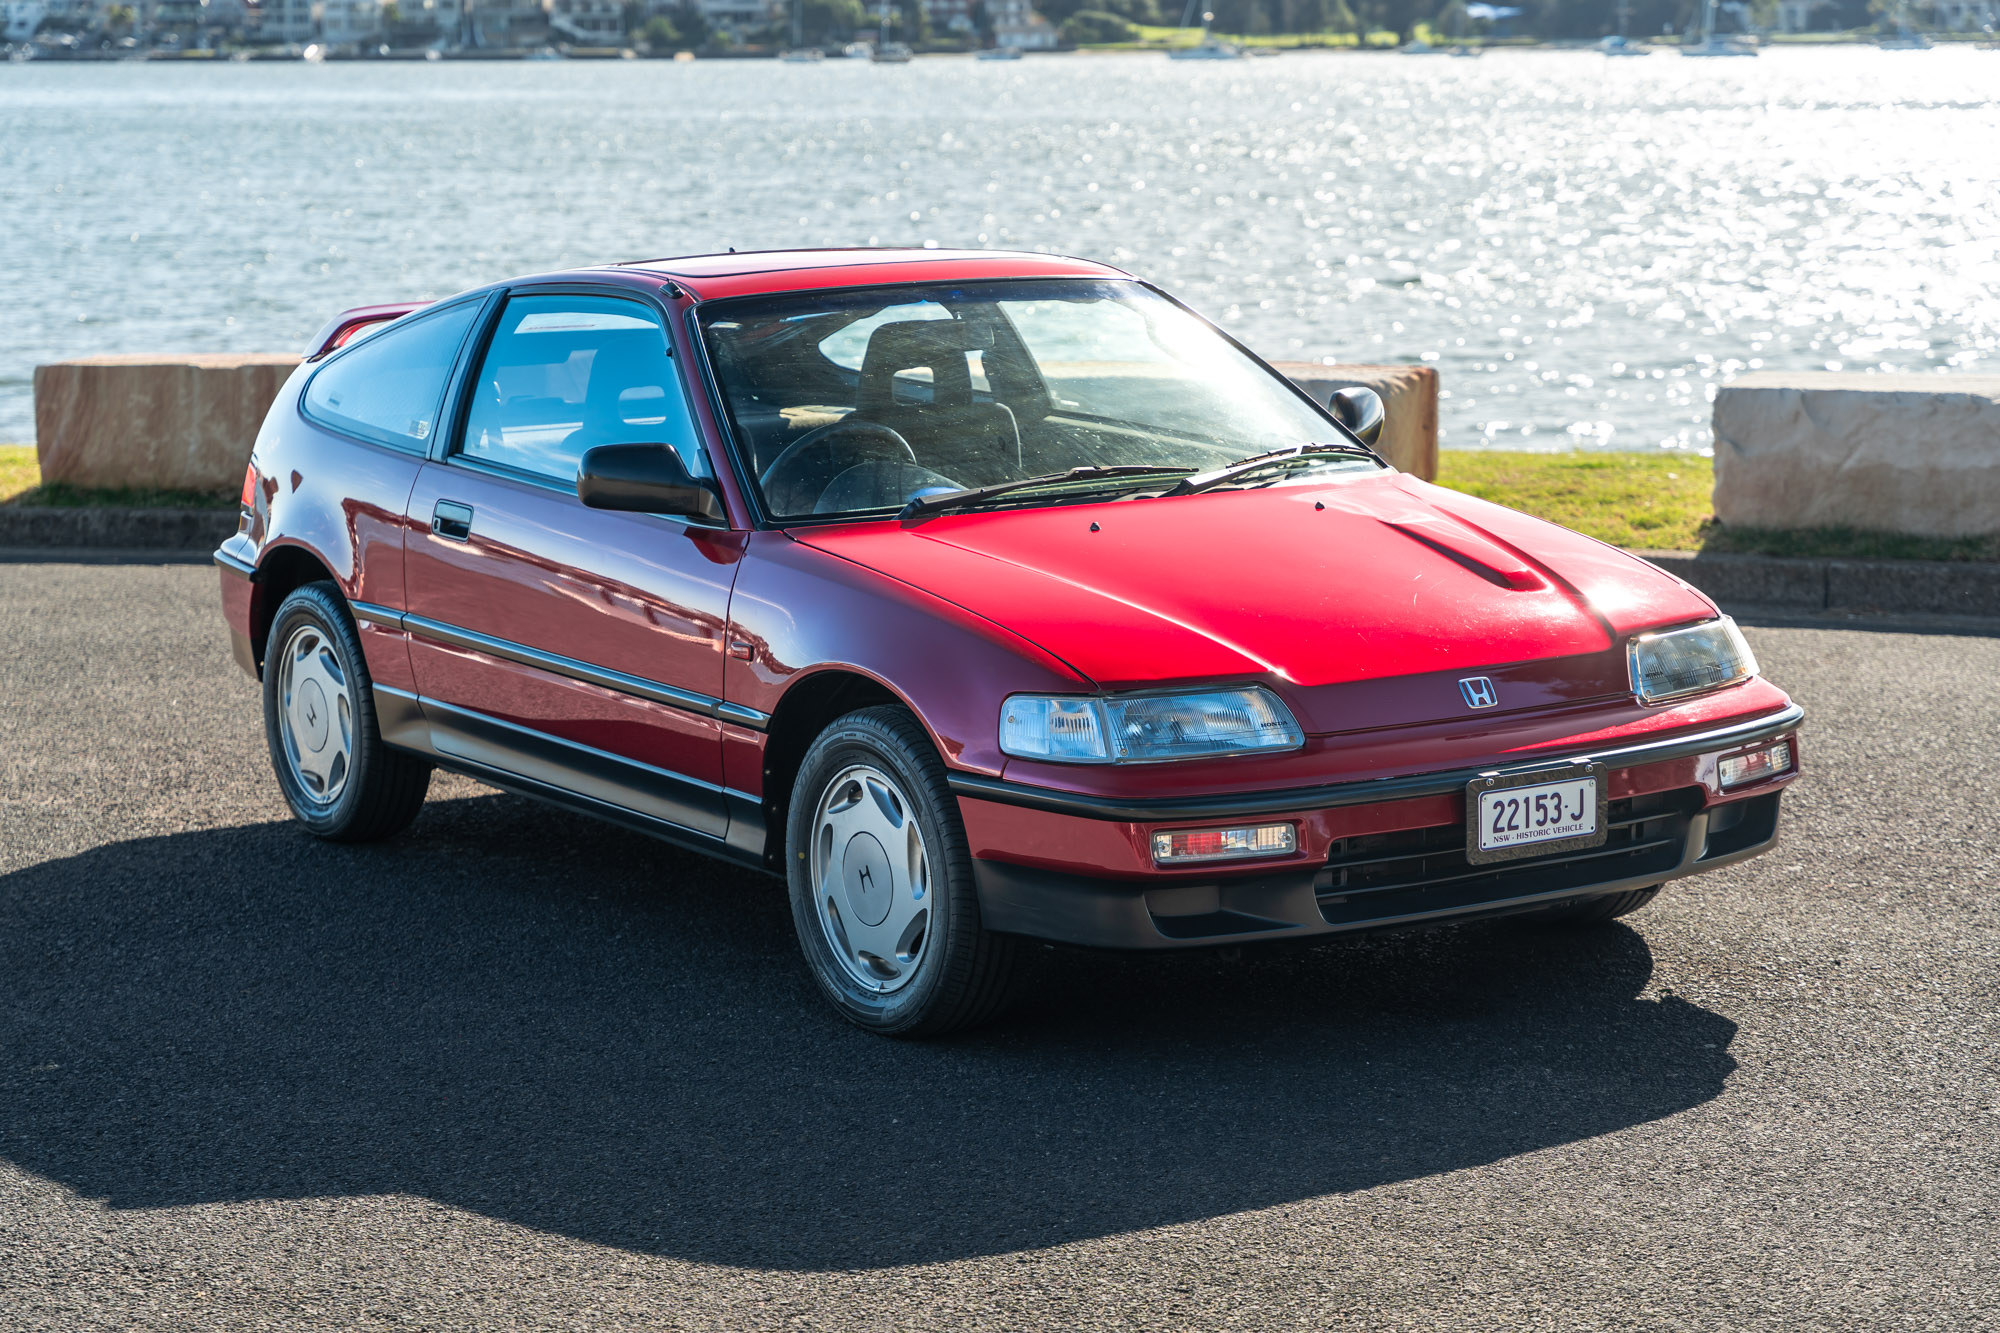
column 1534, row 814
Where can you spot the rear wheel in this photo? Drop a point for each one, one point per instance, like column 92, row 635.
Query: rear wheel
column 881, row 883
column 340, row 780
column 1592, row 911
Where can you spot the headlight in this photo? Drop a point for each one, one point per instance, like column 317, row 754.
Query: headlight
column 1688, row 661
column 1143, row 727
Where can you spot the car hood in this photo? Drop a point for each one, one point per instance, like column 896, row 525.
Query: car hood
column 1363, row 599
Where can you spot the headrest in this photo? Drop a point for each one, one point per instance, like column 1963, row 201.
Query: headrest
column 940, row 344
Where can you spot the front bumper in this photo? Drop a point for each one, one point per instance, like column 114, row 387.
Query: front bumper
column 1372, row 855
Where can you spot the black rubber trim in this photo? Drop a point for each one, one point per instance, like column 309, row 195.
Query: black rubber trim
column 688, row 701
column 1450, row 782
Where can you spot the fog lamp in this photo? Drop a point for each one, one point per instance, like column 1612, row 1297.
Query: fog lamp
column 1738, row 769
column 1184, row 846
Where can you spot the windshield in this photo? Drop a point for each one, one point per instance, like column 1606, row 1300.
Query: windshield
column 863, row 399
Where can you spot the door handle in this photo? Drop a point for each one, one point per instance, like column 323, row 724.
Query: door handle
column 452, row 520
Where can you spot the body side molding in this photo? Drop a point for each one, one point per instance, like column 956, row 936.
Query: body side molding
column 688, row 701
column 580, row 777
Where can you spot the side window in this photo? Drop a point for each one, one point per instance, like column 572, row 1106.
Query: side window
column 567, row 373
column 390, row 387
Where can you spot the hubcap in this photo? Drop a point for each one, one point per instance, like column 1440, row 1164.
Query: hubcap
column 315, row 714
column 871, row 878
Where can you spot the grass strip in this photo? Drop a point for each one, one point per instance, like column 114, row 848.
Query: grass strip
column 21, row 484
column 1662, row 502
column 1648, row 502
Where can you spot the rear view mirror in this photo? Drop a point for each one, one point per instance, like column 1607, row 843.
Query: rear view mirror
column 1360, row 410
column 644, row 479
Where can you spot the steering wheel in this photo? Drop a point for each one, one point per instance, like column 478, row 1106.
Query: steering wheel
column 791, row 470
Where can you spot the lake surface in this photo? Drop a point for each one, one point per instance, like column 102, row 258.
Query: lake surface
column 1584, row 247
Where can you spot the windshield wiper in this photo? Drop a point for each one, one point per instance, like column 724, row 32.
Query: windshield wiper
column 943, row 500
column 1243, row 467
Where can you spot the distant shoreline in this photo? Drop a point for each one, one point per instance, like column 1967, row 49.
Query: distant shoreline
column 1285, row 44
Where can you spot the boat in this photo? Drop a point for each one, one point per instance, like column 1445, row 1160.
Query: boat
column 858, row 51
column 1210, row 47
column 1905, row 38
column 999, row 53
column 1417, row 46
column 798, row 53
column 892, row 53
column 1461, row 47
column 1715, row 44
column 544, row 53
column 1619, row 44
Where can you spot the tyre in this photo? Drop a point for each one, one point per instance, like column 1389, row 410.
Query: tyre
column 881, row 883
column 1593, row 911
column 339, row 778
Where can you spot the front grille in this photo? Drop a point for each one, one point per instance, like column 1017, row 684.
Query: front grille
column 1412, row 872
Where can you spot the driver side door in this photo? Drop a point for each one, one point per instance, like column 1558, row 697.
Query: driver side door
column 576, row 648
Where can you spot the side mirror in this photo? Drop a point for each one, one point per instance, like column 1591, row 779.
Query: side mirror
column 1360, row 410
column 644, row 479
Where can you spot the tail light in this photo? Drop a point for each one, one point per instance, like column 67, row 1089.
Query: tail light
column 250, row 486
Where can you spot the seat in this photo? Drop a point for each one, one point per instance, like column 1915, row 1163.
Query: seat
column 975, row 443
column 624, row 378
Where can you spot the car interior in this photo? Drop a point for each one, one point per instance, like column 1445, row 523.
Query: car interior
column 947, row 400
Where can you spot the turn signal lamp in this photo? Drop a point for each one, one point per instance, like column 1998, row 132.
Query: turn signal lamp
column 1182, row 847
column 1741, row 768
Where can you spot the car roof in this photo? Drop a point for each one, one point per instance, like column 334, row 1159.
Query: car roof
column 752, row 272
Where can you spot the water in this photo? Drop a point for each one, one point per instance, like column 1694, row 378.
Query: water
column 1584, row 247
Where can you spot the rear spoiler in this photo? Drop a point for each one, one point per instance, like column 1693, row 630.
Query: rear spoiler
column 344, row 327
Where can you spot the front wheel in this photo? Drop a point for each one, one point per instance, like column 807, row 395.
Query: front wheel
column 881, row 883
column 339, row 778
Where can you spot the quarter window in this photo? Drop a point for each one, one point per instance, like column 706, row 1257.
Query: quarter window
column 390, row 388
column 567, row 373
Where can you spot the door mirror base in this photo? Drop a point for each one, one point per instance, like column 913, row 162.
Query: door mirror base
column 645, row 479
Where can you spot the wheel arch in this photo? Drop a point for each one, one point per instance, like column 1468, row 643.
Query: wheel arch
column 282, row 571
column 808, row 707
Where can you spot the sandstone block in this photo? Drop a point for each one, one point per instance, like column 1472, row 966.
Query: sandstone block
column 1915, row 454
column 1409, row 402
column 173, row 422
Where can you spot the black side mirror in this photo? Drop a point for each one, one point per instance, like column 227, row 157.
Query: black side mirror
column 1360, row 410
column 644, row 479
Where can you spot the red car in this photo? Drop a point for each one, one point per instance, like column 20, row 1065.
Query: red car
column 982, row 596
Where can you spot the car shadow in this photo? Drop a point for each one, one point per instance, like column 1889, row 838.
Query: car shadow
column 562, row 1025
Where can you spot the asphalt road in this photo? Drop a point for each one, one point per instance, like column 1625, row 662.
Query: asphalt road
column 521, row 1070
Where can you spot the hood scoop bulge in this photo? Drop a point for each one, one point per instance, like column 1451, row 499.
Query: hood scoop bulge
column 1489, row 560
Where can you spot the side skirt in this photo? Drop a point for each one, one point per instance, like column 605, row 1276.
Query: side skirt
column 406, row 726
